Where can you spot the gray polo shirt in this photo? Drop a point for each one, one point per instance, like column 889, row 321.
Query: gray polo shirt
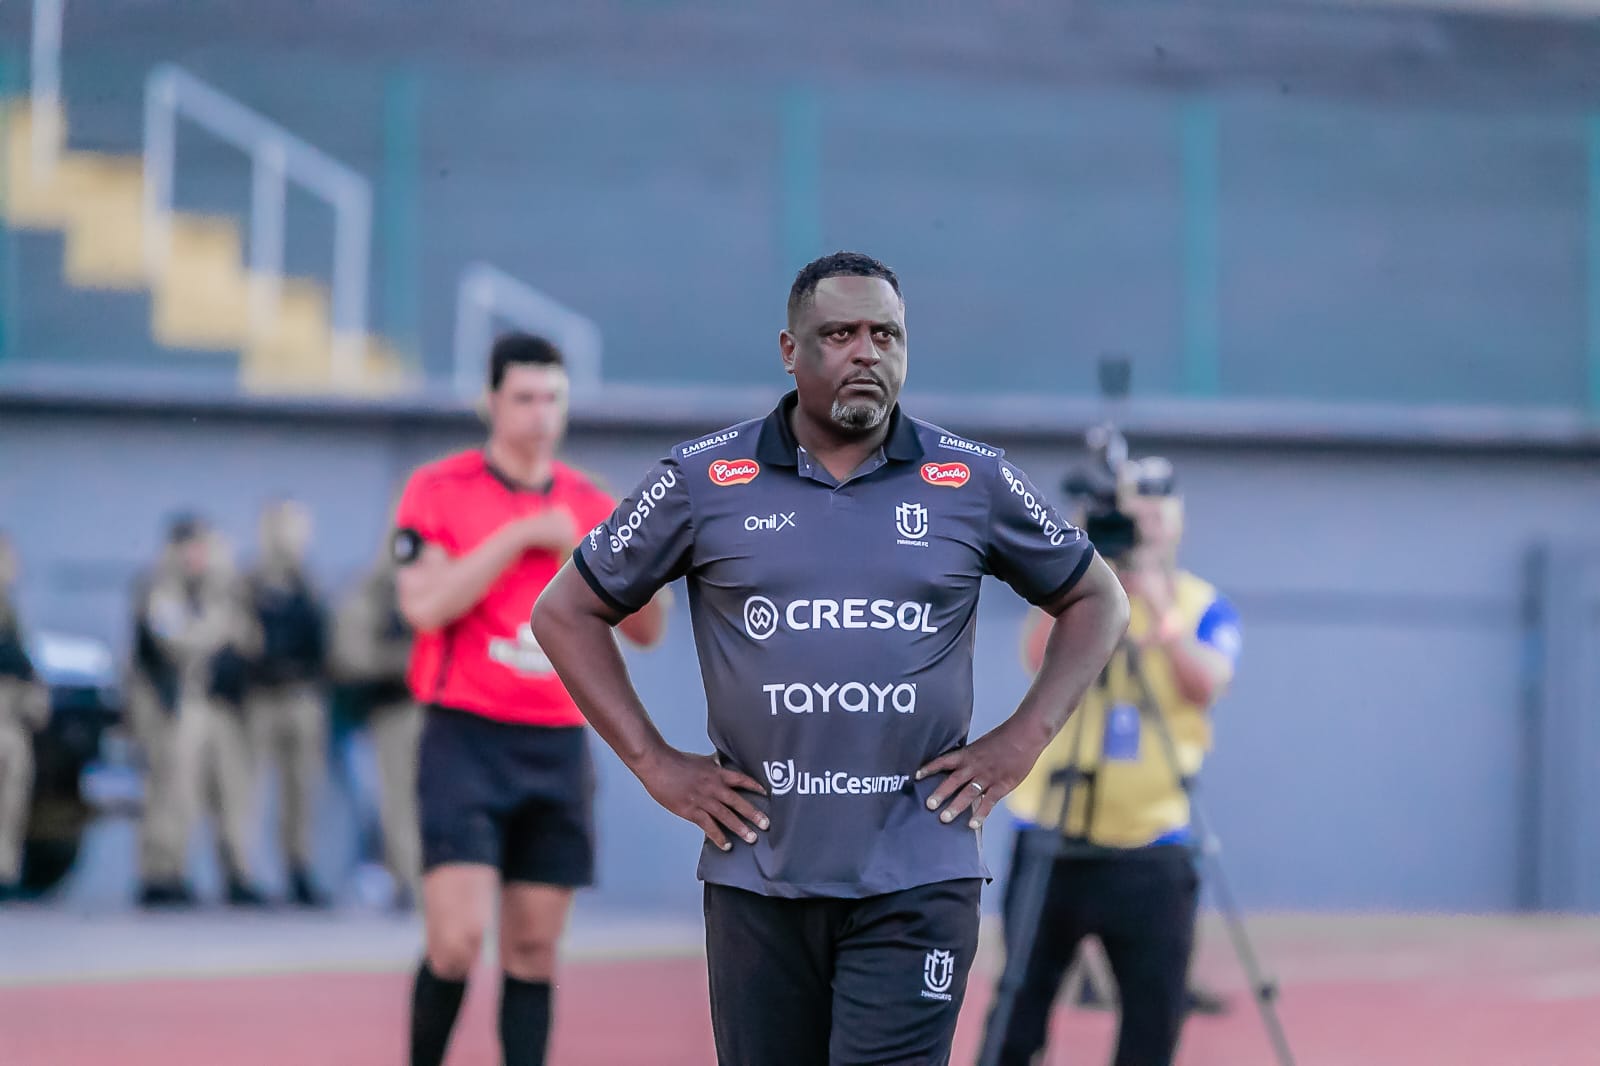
column 834, row 624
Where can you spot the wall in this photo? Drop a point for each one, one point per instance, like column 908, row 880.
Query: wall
column 1346, row 208
column 1368, row 756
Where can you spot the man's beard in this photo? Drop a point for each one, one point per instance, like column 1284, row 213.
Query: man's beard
column 858, row 417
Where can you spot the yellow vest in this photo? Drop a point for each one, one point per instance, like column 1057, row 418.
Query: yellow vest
column 1137, row 793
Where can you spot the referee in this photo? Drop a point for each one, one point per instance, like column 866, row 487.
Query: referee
column 505, row 782
column 834, row 551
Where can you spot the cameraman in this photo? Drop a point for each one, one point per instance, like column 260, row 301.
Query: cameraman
column 1126, row 871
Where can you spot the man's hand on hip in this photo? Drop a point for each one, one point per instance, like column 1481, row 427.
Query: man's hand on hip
column 981, row 774
column 699, row 789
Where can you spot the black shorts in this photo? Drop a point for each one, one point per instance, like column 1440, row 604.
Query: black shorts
column 516, row 797
column 839, row 982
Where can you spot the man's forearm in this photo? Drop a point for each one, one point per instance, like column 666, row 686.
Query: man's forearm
column 1080, row 643
column 460, row 583
column 585, row 653
column 1200, row 672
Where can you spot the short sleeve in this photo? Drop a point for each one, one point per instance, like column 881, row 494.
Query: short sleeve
column 417, row 521
column 593, row 508
column 643, row 544
column 1219, row 629
column 1031, row 546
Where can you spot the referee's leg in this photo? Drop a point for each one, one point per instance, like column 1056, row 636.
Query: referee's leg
column 549, row 853
column 461, row 850
column 456, row 903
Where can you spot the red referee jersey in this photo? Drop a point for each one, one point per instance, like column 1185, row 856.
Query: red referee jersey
column 487, row 661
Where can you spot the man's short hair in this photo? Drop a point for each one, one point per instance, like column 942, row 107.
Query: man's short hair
column 837, row 265
column 520, row 349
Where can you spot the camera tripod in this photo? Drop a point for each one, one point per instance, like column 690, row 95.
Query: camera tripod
column 1040, row 850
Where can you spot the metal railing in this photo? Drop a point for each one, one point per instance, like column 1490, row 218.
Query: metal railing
column 44, row 86
column 277, row 157
column 487, row 293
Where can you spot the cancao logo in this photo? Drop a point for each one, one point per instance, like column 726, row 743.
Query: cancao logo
column 950, row 475
column 734, row 471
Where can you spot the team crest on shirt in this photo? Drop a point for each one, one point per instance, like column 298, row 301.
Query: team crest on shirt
column 911, row 522
column 948, row 475
column 726, row 472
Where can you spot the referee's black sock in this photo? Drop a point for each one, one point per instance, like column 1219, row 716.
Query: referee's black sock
column 434, row 1005
column 524, row 1021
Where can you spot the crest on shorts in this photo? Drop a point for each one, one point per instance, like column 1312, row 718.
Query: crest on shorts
column 938, row 970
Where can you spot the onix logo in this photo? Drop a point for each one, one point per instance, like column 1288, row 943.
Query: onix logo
column 780, row 776
column 938, row 971
column 760, row 617
column 911, row 519
column 771, row 523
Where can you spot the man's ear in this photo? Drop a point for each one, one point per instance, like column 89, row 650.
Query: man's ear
column 787, row 346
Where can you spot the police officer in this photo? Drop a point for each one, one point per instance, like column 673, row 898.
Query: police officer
column 1128, row 876
column 370, row 652
column 193, row 638
column 24, row 709
column 834, row 552
column 286, row 705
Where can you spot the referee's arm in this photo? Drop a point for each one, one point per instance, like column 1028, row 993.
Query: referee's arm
column 435, row 588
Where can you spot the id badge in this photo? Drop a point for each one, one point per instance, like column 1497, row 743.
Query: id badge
column 1122, row 734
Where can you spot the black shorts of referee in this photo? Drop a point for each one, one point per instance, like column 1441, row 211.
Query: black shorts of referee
column 519, row 798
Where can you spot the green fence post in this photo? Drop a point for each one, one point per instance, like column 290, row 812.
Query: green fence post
column 800, row 221
column 1592, row 281
column 9, row 95
column 1198, row 169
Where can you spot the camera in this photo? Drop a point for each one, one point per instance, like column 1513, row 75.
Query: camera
column 1099, row 488
column 1096, row 490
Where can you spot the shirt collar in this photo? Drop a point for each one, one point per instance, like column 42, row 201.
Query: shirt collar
column 512, row 484
column 776, row 446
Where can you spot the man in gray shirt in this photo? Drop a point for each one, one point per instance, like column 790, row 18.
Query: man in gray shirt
column 834, row 552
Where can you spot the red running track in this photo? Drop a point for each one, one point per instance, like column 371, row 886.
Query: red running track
column 653, row 1013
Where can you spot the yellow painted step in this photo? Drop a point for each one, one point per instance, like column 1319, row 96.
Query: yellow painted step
column 202, row 298
column 278, row 368
column 384, row 371
column 29, row 202
column 105, row 228
column 294, row 353
column 96, row 196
